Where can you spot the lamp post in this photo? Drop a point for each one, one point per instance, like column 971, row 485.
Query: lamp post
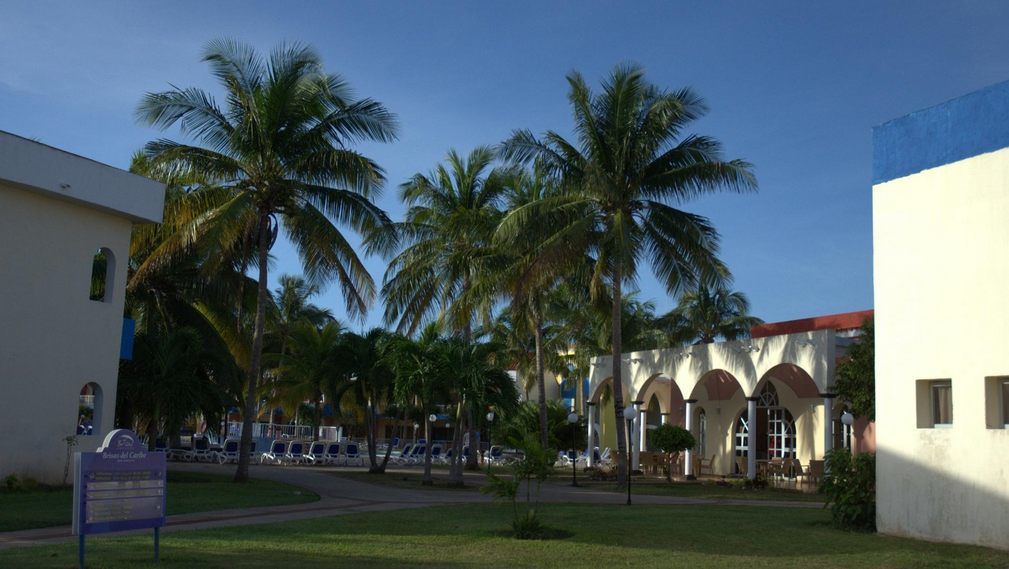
column 629, row 413
column 573, row 420
column 847, row 419
column 490, row 446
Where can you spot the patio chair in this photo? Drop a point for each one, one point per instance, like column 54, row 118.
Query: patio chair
column 435, row 454
column 402, row 456
column 742, row 468
column 353, row 453
column 200, row 451
column 495, row 455
column 229, row 451
column 295, row 453
column 276, row 453
column 316, row 453
column 417, row 455
column 332, row 455
column 815, row 472
column 774, row 467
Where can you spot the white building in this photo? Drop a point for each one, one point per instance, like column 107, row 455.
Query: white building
column 941, row 269
column 748, row 403
column 61, row 312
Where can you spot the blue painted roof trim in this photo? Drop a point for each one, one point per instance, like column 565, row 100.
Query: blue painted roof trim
column 967, row 126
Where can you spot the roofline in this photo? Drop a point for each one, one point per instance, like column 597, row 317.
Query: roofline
column 840, row 321
column 59, row 174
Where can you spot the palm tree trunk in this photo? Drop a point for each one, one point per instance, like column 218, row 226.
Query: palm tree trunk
column 372, row 427
column 541, row 382
column 242, row 472
column 427, row 480
column 455, row 470
column 618, row 383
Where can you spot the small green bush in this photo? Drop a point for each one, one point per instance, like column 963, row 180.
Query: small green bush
column 850, row 487
column 11, row 483
column 528, row 526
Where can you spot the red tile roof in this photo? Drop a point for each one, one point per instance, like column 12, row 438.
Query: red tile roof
column 843, row 321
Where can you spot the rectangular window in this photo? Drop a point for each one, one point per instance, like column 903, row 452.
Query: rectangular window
column 934, row 398
column 942, row 404
column 1005, row 404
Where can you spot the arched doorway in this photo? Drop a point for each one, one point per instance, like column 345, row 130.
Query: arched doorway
column 653, row 418
column 773, row 427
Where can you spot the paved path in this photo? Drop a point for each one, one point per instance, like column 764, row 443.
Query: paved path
column 341, row 496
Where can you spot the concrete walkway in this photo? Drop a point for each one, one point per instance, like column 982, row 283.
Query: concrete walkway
column 341, row 496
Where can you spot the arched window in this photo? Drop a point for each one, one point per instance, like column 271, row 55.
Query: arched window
column 103, row 270
column 89, row 410
column 774, row 428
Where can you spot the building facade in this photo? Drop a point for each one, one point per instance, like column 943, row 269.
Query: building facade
column 746, row 402
column 65, row 224
column 940, row 203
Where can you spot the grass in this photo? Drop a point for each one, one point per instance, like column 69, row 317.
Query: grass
column 698, row 537
column 710, row 490
column 188, row 492
column 410, row 481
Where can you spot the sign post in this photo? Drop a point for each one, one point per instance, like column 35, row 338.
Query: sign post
column 119, row 487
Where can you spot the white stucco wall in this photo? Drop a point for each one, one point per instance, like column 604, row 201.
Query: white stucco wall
column 941, row 264
column 749, row 362
column 56, row 211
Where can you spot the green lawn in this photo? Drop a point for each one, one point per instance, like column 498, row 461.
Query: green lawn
column 187, row 492
column 716, row 492
column 470, row 536
column 410, row 480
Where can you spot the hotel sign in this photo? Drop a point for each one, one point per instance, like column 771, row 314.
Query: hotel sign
column 119, row 487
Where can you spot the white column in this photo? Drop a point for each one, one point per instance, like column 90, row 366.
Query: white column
column 590, row 447
column 688, row 423
column 664, row 418
column 751, row 439
column 828, row 422
column 643, row 431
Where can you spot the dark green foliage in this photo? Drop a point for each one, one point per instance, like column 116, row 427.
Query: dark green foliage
column 856, row 374
column 672, row 440
column 851, row 489
column 525, row 420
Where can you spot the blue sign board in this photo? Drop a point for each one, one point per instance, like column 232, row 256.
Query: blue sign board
column 119, row 487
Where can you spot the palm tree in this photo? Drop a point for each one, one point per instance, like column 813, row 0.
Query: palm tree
column 422, row 371
column 529, row 276
column 368, row 376
column 277, row 154
column 173, row 376
column 453, row 213
column 311, row 368
column 630, row 166
column 707, row 313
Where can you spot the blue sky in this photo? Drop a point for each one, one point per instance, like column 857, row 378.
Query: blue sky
column 794, row 87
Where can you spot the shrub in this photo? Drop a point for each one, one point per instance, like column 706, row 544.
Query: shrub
column 535, row 466
column 850, row 487
column 672, row 440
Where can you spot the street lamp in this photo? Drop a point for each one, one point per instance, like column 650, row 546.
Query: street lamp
column 847, row 419
column 629, row 413
column 573, row 420
column 490, row 445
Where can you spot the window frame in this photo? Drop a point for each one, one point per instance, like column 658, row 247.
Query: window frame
column 933, row 388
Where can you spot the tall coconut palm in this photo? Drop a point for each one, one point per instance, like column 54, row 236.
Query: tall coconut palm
column 453, row 213
column 279, row 154
column 706, row 314
column 311, row 367
column 627, row 172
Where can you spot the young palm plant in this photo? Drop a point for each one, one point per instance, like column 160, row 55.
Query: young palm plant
column 630, row 167
column 277, row 155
